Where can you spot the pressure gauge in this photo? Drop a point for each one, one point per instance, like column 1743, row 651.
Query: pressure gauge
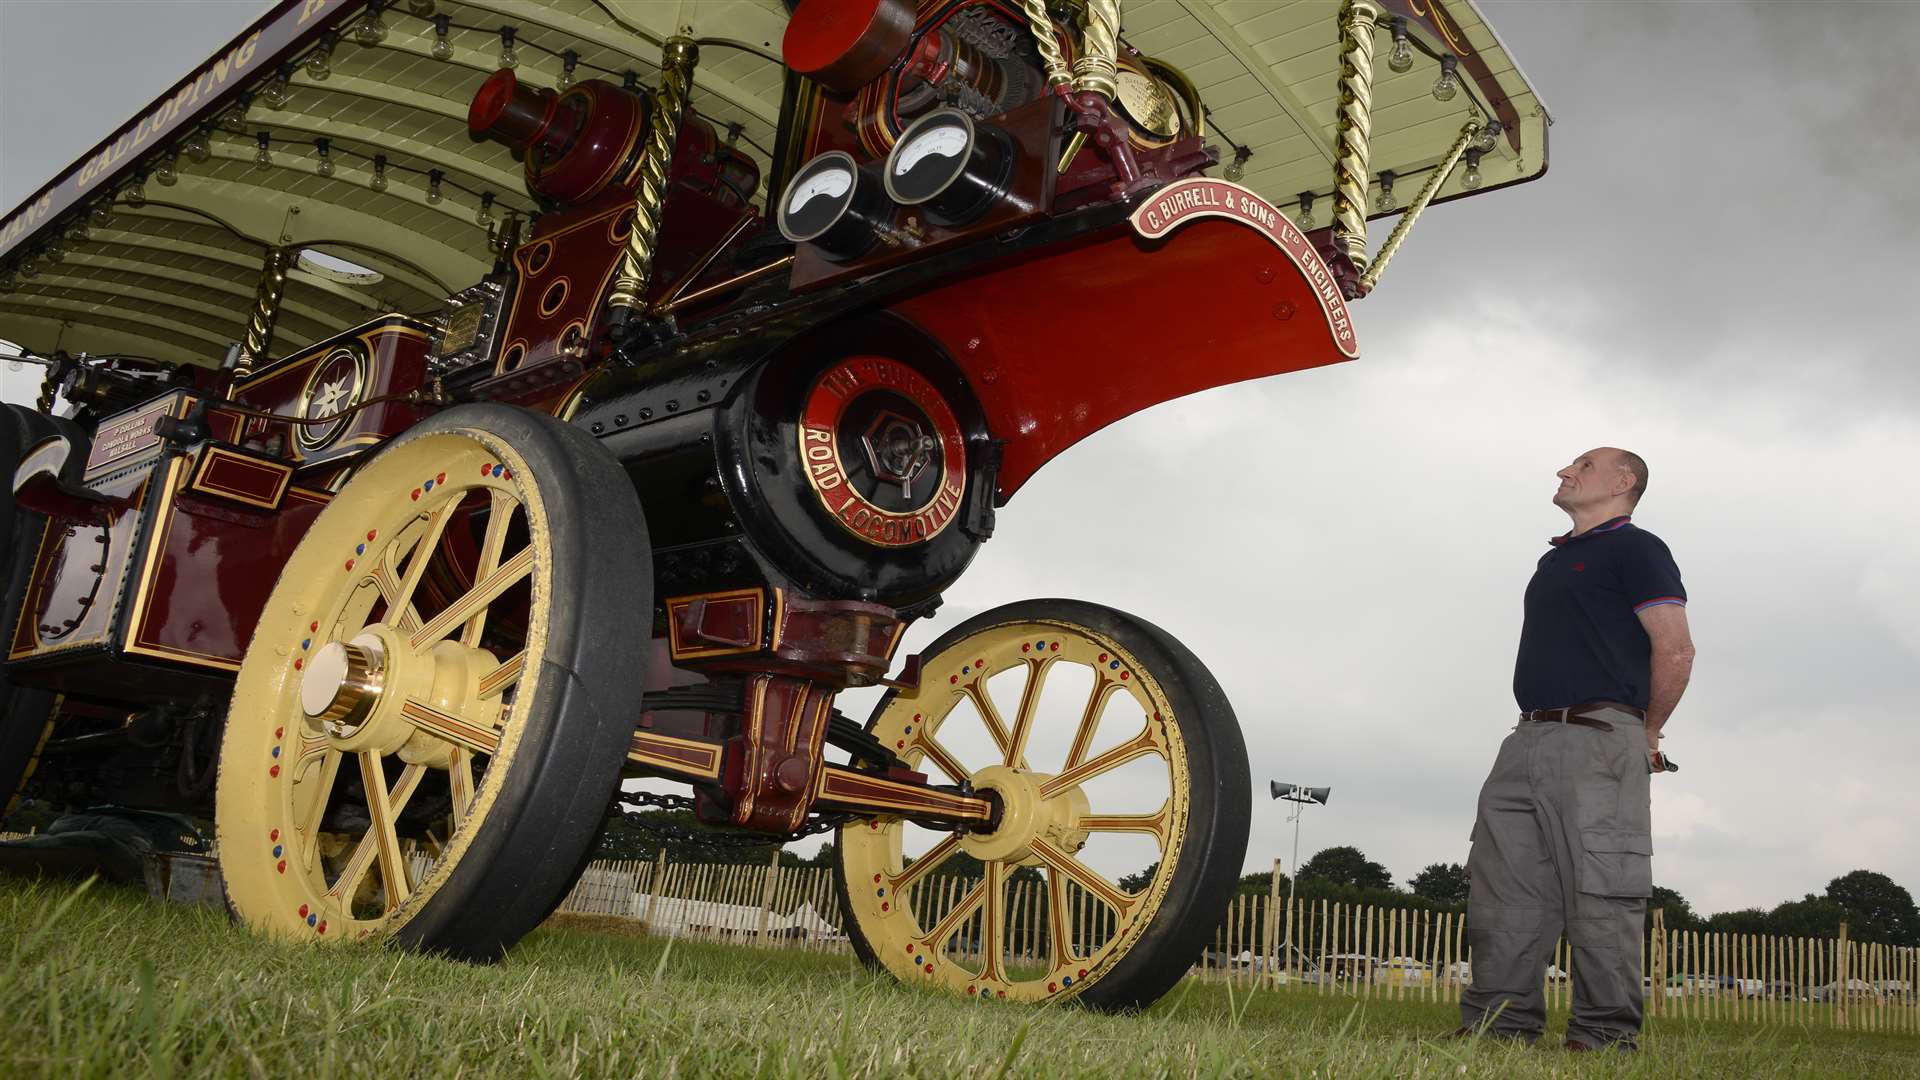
column 951, row 167
column 835, row 205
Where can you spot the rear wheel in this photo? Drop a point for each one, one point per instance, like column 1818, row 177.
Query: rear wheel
column 1124, row 797
column 431, row 718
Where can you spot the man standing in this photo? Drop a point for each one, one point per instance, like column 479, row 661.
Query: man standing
column 1562, row 843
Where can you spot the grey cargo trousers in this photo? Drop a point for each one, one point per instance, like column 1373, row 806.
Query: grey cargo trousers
column 1561, row 845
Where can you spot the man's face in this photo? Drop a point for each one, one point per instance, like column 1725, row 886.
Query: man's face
column 1593, row 478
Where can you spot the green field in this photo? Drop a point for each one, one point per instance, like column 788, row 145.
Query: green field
column 103, row 982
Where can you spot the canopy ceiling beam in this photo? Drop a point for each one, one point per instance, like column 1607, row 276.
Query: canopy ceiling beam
column 1262, row 71
column 84, row 312
column 361, row 138
column 447, row 262
column 249, row 263
column 213, row 314
column 638, row 40
column 141, row 338
column 161, row 274
column 186, row 319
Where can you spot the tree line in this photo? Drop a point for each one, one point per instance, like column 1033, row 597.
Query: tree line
column 1874, row 906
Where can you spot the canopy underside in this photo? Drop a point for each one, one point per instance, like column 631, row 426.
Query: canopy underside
column 174, row 278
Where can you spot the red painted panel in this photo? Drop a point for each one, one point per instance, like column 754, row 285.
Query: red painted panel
column 216, row 567
column 1062, row 346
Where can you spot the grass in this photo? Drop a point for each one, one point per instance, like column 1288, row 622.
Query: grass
column 103, row 982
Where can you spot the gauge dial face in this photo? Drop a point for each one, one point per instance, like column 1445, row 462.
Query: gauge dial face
column 943, row 142
column 929, row 155
column 818, row 197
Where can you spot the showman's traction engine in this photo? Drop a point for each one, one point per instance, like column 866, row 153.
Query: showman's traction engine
column 399, row 491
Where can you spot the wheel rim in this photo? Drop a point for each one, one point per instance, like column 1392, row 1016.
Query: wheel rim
column 1062, row 933
column 378, row 695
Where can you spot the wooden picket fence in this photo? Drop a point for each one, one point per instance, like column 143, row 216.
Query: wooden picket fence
column 1323, row 947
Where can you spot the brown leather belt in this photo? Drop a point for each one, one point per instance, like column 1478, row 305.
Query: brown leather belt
column 1576, row 714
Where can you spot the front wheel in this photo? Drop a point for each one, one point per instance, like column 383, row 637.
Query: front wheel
column 1124, row 794
column 433, row 712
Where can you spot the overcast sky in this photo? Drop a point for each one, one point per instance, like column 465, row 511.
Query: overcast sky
column 1717, row 273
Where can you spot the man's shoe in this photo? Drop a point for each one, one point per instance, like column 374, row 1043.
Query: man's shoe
column 1581, row 1046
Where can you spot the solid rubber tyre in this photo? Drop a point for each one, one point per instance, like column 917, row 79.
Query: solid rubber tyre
column 1211, row 800
column 560, row 741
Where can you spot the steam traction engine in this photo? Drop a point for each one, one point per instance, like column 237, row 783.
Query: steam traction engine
column 642, row 500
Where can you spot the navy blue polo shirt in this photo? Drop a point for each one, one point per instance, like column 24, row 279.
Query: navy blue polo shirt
column 1582, row 640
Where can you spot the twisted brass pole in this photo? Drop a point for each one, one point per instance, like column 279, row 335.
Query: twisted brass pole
column 266, row 311
column 628, row 296
column 1096, row 68
column 1048, row 45
column 1357, row 19
column 1432, row 188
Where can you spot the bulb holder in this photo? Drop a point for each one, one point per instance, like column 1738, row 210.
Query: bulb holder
column 1400, row 59
column 1470, row 178
column 1448, row 84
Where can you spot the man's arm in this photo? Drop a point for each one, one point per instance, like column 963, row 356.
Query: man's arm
column 1666, row 625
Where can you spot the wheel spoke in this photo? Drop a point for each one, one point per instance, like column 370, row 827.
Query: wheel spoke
column 944, row 930
column 941, row 757
column 993, row 920
column 447, row 726
column 500, row 509
column 460, row 783
column 926, row 864
column 389, row 586
column 483, row 593
column 495, row 682
column 1086, row 877
column 317, row 791
column 976, row 692
column 1029, row 700
column 1155, row 824
column 1090, row 719
column 1138, row 746
column 383, row 807
column 400, row 604
column 1059, row 919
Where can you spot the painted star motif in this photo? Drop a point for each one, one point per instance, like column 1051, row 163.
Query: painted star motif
column 330, row 398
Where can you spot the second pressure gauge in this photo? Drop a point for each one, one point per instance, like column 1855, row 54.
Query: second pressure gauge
column 835, row 205
column 951, row 167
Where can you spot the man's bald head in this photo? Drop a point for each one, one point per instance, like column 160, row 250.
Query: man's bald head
column 1605, row 479
column 1635, row 466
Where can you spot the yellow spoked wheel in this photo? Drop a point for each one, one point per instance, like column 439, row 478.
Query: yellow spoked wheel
column 1123, row 791
column 433, row 712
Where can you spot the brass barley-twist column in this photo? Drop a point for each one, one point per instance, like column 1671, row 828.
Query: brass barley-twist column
column 1399, row 235
column 636, row 263
column 1044, row 41
column 1096, row 70
column 1357, row 19
column 266, row 310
